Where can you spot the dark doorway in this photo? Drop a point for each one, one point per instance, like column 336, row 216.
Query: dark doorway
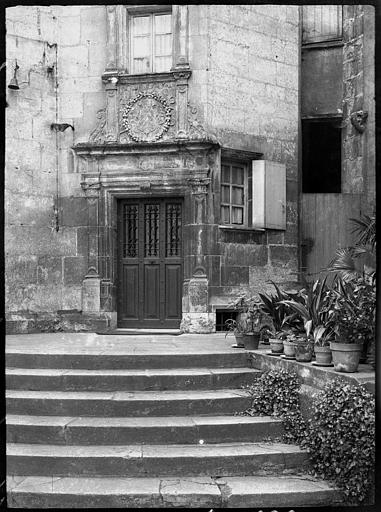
column 150, row 263
column 321, row 140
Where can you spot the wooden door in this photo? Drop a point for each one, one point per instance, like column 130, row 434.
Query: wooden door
column 150, row 263
column 325, row 227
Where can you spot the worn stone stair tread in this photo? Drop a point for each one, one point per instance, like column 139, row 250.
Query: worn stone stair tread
column 146, row 450
column 118, row 359
column 58, row 372
column 128, row 380
column 127, row 395
column 89, row 430
column 245, row 491
column 127, row 403
column 136, row 422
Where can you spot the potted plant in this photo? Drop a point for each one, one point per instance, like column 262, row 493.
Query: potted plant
column 304, row 348
column 289, row 346
column 277, row 312
column 234, row 327
column 355, row 267
column 351, row 326
column 250, row 317
column 321, row 336
column 249, row 323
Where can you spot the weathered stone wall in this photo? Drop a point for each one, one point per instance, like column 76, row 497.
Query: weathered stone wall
column 59, row 51
column 358, row 77
column 245, row 79
column 245, row 89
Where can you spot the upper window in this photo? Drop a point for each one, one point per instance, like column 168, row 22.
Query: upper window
column 234, row 194
column 151, row 42
column 322, row 23
column 321, row 150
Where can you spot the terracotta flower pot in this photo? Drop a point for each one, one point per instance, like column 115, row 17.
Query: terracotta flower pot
column 251, row 341
column 276, row 345
column 239, row 339
column 289, row 349
column 346, row 356
column 323, row 356
column 303, row 352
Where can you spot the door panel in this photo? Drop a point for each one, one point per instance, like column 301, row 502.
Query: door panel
column 150, row 263
column 173, row 283
column 151, row 292
column 131, row 282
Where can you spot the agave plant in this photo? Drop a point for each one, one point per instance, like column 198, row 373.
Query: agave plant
column 322, row 335
column 315, row 307
column 274, row 307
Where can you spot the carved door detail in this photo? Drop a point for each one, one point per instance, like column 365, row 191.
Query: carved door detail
column 150, row 263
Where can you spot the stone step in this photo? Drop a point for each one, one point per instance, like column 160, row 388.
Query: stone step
column 89, row 360
column 197, row 492
column 124, row 403
column 119, row 431
column 155, row 460
column 128, row 380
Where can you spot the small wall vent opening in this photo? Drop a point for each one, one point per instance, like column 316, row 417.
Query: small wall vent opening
column 221, row 316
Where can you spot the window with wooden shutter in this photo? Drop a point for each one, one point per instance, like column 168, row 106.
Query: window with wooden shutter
column 322, row 23
column 234, row 196
column 151, row 42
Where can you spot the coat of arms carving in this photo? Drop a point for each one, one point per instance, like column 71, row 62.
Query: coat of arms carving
column 146, row 117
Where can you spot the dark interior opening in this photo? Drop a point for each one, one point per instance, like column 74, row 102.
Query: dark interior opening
column 221, row 316
column 321, row 149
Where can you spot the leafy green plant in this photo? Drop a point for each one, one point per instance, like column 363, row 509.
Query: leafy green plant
column 313, row 305
column 359, row 260
column 354, row 312
column 250, row 314
column 322, row 336
column 233, row 327
column 276, row 393
column 341, row 438
column 278, row 312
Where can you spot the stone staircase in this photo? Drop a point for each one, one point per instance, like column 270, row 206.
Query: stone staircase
column 114, row 428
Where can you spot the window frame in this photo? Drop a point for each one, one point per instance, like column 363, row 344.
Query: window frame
column 246, row 196
column 151, row 14
column 323, row 40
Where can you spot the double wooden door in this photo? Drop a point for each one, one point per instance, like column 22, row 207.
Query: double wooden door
column 150, row 263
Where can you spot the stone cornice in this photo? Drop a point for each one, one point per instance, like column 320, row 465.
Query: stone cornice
column 127, row 78
column 86, row 149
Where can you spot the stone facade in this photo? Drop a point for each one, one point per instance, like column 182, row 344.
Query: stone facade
column 232, row 94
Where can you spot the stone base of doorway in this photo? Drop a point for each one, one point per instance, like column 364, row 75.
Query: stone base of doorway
column 141, row 332
column 228, row 492
column 26, row 322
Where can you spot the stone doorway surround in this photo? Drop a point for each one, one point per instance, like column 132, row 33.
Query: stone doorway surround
column 141, row 170
column 148, row 142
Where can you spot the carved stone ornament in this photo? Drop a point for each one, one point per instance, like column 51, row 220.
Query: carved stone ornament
column 358, row 120
column 195, row 128
column 146, row 117
column 98, row 134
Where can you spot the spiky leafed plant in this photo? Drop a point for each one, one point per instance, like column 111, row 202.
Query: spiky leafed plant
column 354, row 268
column 273, row 306
column 359, row 260
column 315, row 306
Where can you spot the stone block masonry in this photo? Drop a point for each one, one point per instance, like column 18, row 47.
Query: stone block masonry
column 238, row 101
column 248, row 77
column 59, row 76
